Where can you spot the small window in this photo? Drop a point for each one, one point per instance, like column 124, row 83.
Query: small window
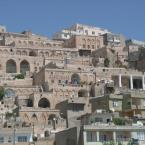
column 88, row 46
column 93, row 33
column 93, row 46
column 114, row 103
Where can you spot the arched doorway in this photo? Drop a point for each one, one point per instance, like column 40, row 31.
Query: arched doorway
column 24, row 67
column 75, row 79
column 11, row 66
column 44, row 103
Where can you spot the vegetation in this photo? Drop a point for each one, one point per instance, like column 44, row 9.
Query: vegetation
column 2, row 92
column 19, row 76
column 106, row 62
column 118, row 121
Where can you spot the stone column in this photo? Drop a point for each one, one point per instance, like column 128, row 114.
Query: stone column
column 131, row 82
column 18, row 67
column 143, row 82
column 114, row 136
column 120, row 83
column 98, row 136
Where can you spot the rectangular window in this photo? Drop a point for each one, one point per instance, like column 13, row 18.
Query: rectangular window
column 91, row 136
column 22, row 138
column 114, row 103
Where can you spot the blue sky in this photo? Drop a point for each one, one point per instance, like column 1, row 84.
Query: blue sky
column 48, row 16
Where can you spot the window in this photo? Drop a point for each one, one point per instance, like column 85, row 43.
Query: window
column 88, row 46
column 1, row 139
column 59, row 81
column 84, row 46
column 93, row 33
column 93, row 46
column 22, row 138
column 91, row 136
column 86, row 32
column 115, row 103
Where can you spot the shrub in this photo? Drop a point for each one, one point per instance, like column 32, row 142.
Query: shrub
column 118, row 121
column 19, row 76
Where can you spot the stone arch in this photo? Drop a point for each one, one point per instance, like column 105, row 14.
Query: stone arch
column 44, row 103
column 24, row 52
column 43, row 118
column 5, row 52
column 41, row 53
column 18, row 52
column 9, row 93
column 34, row 118
column 47, row 54
column 26, row 118
column 83, row 93
column 32, row 53
column 11, row 66
column 24, row 66
column 75, row 79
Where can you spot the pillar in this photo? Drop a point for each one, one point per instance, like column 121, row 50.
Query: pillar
column 120, row 83
column 131, row 82
column 85, row 137
column 143, row 82
column 98, row 136
column 114, row 136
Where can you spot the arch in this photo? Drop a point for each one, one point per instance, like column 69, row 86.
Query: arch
column 5, row 52
column 32, row 53
column 18, row 52
column 26, row 118
column 34, row 118
column 41, row 53
column 24, row 52
column 47, row 54
column 9, row 93
column 75, row 79
column 44, row 103
column 24, row 67
column 83, row 93
column 11, row 66
column 43, row 118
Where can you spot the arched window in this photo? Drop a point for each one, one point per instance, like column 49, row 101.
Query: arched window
column 44, row 103
column 11, row 66
column 75, row 79
column 24, row 67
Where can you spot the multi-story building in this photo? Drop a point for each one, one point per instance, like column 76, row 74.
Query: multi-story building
column 79, row 29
